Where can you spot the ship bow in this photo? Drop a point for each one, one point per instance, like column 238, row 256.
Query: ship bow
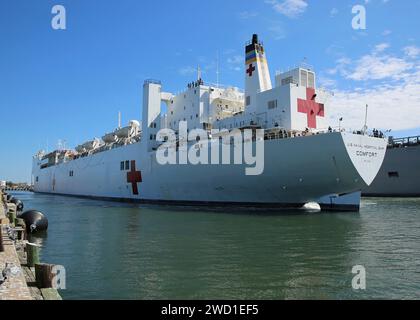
column 366, row 153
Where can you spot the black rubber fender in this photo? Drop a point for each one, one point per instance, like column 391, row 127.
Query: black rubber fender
column 18, row 203
column 35, row 221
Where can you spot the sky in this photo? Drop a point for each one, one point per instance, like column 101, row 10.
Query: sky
column 70, row 84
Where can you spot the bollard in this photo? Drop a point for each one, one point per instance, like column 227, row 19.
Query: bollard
column 43, row 275
column 12, row 216
column 19, row 222
column 32, row 254
column 20, row 228
column 11, row 212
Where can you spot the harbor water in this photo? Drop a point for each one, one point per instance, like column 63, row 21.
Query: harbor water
column 131, row 251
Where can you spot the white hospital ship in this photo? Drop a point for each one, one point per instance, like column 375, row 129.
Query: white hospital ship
column 305, row 161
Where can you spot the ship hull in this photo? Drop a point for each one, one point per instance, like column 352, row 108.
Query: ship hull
column 399, row 175
column 320, row 168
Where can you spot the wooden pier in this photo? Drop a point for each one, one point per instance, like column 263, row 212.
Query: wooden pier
column 17, row 275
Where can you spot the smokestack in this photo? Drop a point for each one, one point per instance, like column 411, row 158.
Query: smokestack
column 257, row 74
column 255, row 38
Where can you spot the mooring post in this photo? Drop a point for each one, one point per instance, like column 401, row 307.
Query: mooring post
column 44, row 275
column 12, row 217
column 19, row 222
column 32, row 253
column 20, row 227
column 11, row 213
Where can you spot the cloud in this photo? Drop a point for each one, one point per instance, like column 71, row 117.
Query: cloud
column 341, row 67
column 235, row 62
column 188, row 70
column 412, row 51
column 289, row 8
column 333, row 12
column 335, row 50
column 373, row 67
column 376, row 65
column 386, row 33
column 327, row 82
column 245, row 15
column 392, row 104
column 228, row 51
column 277, row 31
column 381, row 47
column 393, row 107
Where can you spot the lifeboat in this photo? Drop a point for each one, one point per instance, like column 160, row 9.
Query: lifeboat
column 110, row 138
column 129, row 131
column 89, row 145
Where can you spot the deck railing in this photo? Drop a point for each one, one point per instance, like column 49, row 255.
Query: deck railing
column 404, row 142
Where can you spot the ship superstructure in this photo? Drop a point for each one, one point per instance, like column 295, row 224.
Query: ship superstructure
column 304, row 159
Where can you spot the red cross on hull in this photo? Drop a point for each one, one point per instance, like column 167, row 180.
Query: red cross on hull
column 311, row 108
column 134, row 177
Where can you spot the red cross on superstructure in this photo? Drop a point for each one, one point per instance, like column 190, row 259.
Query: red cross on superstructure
column 134, row 177
column 250, row 70
column 311, row 108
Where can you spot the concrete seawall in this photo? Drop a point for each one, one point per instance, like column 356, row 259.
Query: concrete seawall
column 15, row 286
column 17, row 279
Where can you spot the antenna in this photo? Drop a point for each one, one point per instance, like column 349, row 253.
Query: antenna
column 119, row 119
column 366, row 117
column 198, row 72
column 217, row 69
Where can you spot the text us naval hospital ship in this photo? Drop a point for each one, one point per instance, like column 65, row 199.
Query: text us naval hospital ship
column 303, row 161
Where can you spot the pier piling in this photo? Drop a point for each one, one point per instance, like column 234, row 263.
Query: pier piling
column 44, row 275
column 11, row 212
column 32, row 252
